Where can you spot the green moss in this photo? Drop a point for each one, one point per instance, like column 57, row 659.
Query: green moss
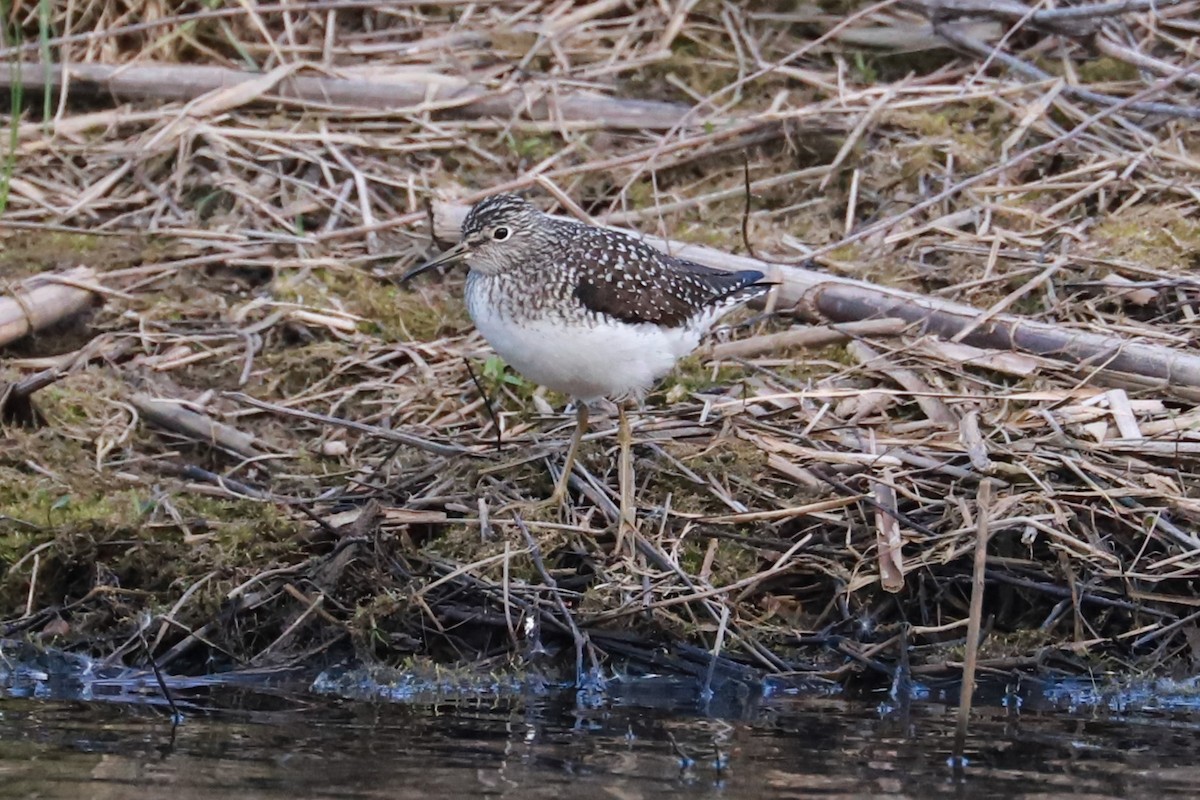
column 92, row 526
column 696, row 64
column 729, row 456
column 733, row 459
column 120, row 538
column 238, row 523
column 1106, row 70
column 945, row 122
column 63, row 507
column 848, row 253
column 83, row 498
column 533, row 147
column 395, row 313
column 296, row 369
column 27, row 253
column 693, row 373
column 71, row 243
column 720, row 231
column 809, row 363
column 970, row 131
column 1158, row 237
column 640, row 195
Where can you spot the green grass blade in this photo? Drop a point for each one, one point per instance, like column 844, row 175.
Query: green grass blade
column 44, row 18
column 16, row 99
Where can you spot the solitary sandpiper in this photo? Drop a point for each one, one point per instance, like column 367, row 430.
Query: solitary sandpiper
column 586, row 311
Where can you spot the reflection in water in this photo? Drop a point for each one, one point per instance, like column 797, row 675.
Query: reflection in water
column 292, row 747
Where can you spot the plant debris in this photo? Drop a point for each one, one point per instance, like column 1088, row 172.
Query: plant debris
column 243, row 446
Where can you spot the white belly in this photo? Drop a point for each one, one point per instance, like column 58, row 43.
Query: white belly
column 611, row 360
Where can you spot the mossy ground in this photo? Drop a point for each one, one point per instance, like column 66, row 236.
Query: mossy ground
column 89, row 521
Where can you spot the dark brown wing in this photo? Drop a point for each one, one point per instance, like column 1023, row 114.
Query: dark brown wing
column 631, row 281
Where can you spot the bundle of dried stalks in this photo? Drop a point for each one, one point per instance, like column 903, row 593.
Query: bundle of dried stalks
column 276, row 452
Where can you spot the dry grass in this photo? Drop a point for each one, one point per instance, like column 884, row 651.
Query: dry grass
column 245, row 238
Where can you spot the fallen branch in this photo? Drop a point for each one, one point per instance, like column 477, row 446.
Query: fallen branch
column 174, row 416
column 807, row 336
column 971, row 45
column 437, row 448
column 377, row 90
column 1114, row 49
column 15, row 403
column 1080, row 20
column 831, row 298
column 43, row 301
column 1170, row 368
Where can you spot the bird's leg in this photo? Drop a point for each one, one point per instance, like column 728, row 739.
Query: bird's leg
column 564, row 480
column 555, row 500
column 627, row 522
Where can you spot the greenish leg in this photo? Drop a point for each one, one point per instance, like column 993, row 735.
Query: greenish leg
column 581, row 423
column 559, row 496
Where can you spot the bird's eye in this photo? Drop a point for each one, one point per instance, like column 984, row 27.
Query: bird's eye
column 500, row 234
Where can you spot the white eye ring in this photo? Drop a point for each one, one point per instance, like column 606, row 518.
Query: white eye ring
column 501, row 233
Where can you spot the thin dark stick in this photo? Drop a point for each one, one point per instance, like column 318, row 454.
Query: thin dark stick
column 487, row 403
column 902, row 689
column 192, row 472
column 176, row 714
column 706, row 691
column 746, row 211
column 386, row 434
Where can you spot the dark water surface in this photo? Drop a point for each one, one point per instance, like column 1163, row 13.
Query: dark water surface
column 301, row 746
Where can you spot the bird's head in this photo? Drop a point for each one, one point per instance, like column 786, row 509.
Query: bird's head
column 497, row 235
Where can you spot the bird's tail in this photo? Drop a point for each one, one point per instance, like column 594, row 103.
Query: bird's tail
column 747, row 285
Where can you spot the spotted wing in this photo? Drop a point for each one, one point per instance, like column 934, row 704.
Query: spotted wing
column 633, row 282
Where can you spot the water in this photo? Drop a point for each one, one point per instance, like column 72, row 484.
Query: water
column 293, row 746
